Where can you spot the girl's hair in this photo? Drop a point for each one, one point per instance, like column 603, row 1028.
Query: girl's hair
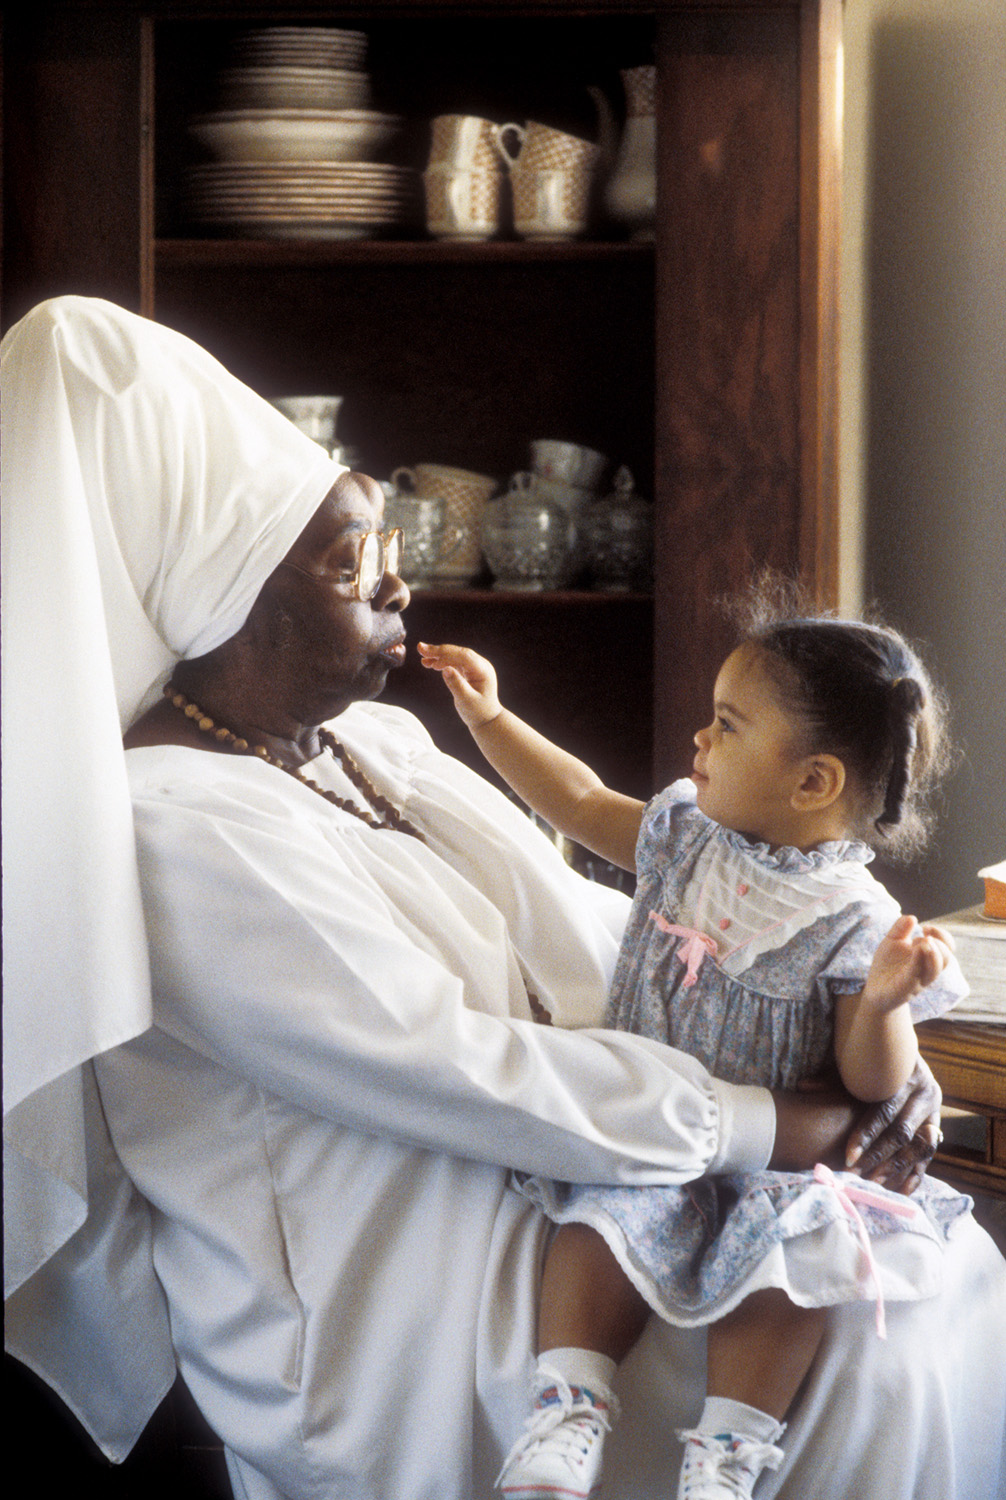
column 860, row 692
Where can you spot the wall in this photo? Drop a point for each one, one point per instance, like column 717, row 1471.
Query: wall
column 923, row 423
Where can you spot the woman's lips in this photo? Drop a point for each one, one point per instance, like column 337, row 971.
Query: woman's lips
column 395, row 653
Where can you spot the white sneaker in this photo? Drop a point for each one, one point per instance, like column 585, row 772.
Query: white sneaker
column 558, row 1456
column 724, row 1467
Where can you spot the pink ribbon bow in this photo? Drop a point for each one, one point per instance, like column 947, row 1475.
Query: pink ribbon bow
column 695, row 947
column 848, row 1197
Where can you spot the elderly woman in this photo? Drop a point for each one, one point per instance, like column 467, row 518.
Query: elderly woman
column 275, row 977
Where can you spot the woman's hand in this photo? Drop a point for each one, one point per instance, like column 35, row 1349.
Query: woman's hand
column 894, row 1142
column 470, row 678
column 890, row 1143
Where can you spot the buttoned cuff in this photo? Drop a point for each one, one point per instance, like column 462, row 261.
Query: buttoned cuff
column 747, row 1128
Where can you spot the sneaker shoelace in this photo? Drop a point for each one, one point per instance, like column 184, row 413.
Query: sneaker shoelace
column 716, row 1468
column 571, row 1417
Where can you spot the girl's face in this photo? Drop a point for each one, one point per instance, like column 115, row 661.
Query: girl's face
column 749, row 764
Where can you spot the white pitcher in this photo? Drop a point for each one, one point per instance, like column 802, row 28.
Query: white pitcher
column 630, row 192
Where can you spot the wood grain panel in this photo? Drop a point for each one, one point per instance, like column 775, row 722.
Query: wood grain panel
column 72, row 154
column 728, row 340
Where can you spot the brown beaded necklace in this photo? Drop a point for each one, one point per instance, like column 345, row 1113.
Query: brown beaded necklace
column 390, row 817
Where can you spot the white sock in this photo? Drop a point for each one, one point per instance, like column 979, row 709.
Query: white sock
column 720, row 1414
column 581, row 1367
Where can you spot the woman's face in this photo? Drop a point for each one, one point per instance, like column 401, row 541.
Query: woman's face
column 328, row 648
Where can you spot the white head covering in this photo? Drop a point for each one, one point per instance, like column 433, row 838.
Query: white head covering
column 147, row 495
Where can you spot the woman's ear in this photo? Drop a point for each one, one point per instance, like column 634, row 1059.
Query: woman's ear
column 821, row 783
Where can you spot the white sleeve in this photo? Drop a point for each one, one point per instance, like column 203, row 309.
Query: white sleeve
column 357, row 976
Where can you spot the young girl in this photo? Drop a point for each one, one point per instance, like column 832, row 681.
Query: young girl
column 757, row 943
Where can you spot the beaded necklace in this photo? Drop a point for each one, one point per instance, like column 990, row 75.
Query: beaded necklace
column 390, row 817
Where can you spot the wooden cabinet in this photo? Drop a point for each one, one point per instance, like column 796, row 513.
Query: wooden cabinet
column 705, row 361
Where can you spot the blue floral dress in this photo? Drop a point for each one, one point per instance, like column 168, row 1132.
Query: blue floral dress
column 735, row 954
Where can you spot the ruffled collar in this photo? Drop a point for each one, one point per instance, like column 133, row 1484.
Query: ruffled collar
column 787, row 860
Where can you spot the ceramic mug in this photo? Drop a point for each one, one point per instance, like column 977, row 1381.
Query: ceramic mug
column 551, row 204
column 462, row 204
column 552, row 176
column 464, row 143
column 567, row 463
column 542, row 148
column 465, row 494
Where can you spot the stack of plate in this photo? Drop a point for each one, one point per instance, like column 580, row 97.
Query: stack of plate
column 301, row 200
column 293, row 88
column 295, row 142
column 300, row 46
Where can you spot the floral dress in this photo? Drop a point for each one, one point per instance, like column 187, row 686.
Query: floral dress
column 735, row 953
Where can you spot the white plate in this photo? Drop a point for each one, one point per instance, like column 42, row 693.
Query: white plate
column 333, row 135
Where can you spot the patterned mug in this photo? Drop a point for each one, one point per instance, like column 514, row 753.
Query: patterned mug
column 462, row 204
column 465, row 494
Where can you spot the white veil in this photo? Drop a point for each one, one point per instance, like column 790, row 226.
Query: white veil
column 147, row 495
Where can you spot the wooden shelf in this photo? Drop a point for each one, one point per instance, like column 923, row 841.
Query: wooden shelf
column 220, row 251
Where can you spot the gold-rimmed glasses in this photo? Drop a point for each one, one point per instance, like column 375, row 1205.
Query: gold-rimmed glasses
column 378, row 554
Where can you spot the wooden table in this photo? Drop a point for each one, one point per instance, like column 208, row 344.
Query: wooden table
column 969, row 1060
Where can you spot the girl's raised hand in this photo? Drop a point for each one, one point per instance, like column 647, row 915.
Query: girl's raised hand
column 909, row 958
column 470, row 678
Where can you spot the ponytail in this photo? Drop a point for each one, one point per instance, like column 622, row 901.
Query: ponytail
column 907, row 700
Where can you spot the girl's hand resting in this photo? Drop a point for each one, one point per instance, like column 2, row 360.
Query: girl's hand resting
column 470, row 678
column 909, row 958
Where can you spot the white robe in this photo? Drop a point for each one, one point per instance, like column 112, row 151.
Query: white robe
column 343, row 1066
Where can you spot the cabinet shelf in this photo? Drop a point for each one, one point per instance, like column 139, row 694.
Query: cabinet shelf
column 196, row 252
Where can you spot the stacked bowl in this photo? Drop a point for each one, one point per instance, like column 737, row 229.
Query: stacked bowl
column 295, row 142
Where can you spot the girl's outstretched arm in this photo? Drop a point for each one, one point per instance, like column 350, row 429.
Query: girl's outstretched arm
column 875, row 1043
column 555, row 784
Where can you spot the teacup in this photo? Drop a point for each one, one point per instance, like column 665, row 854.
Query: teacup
column 541, row 148
column 465, row 494
column 464, row 143
column 567, row 463
column 462, row 204
column 553, row 204
column 552, row 176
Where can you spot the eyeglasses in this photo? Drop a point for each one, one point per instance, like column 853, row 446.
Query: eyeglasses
column 378, row 555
